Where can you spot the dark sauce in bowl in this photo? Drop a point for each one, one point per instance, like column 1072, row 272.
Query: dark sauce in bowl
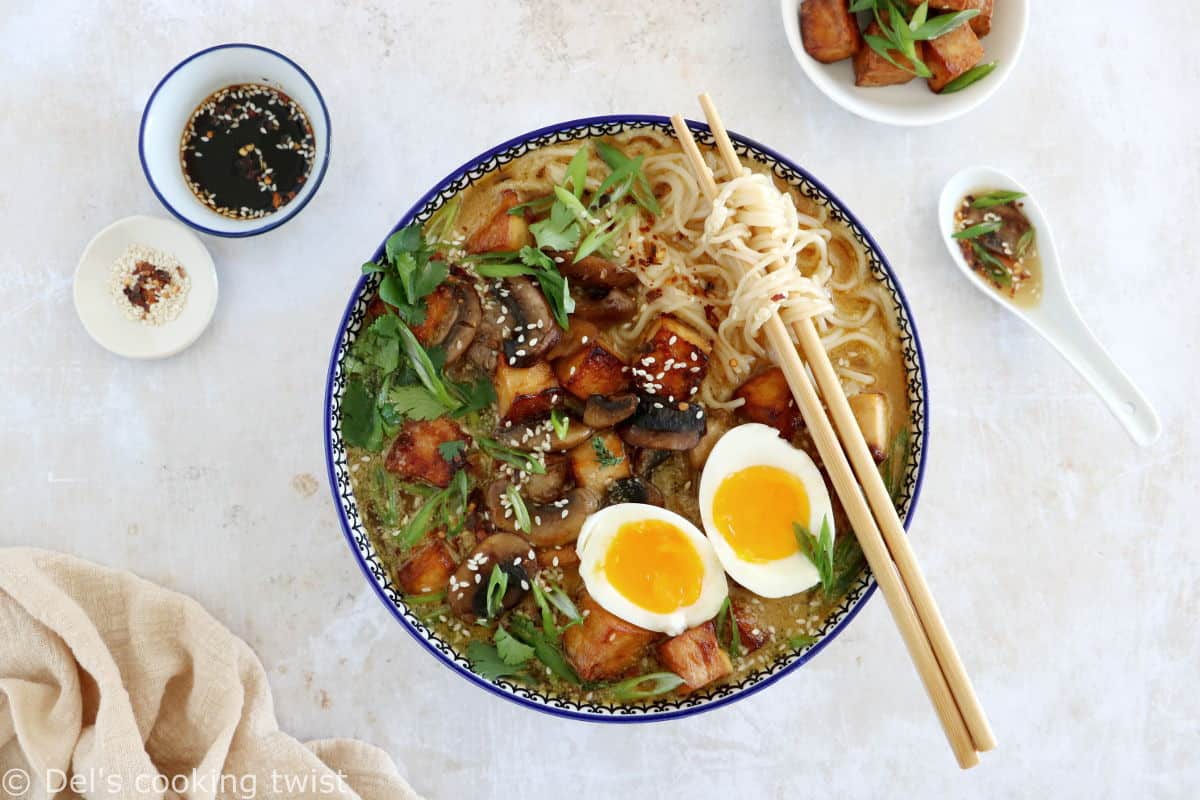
column 247, row 151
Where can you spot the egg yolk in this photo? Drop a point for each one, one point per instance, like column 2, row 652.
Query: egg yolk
column 654, row 565
column 754, row 509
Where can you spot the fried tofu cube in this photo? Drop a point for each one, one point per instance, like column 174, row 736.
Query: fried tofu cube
column 592, row 369
column 769, row 401
column 599, row 461
column 604, row 646
column 415, row 454
column 525, row 395
column 750, row 635
column 503, row 231
column 870, row 410
column 441, row 308
column 952, row 54
column 872, row 69
column 696, row 656
column 981, row 24
column 828, row 29
column 428, row 570
column 673, row 362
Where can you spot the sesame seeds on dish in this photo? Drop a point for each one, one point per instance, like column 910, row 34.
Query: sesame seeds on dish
column 148, row 285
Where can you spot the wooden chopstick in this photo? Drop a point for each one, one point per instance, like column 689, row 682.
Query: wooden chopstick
column 877, row 494
column 861, row 519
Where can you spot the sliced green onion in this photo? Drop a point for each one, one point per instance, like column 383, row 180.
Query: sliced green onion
column 659, row 683
column 518, row 508
column 424, row 599
column 973, row 75
column 560, row 422
column 1024, row 242
column 975, row 231
column 797, row 642
column 997, row 198
column 496, row 589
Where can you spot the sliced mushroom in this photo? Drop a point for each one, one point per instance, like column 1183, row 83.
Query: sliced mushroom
column 553, row 523
column 488, row 337
column 719, row 421
column 633, row 490
column 541, row 436
column 665, row 426
column 531, row 329
column 604, row 307
column 596, row 272
column 469, row 584
column 552, row 483
column 462, row 332
column 646, row 460
column 605, row 412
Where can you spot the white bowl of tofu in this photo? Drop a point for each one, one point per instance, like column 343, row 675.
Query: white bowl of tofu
column 965, row 50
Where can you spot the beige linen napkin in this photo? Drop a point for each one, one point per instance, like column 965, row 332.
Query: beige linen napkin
column 111, row 686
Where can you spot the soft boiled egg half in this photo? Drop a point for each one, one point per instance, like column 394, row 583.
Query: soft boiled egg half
column 650, row 567
column 754, row 487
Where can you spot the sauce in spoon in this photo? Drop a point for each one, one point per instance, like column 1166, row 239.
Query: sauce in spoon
column 1000, row 243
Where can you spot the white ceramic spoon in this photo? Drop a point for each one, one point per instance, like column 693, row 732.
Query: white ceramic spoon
column 1055, row 316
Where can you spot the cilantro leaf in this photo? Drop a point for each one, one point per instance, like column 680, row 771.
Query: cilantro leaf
column 451, row 450
column 486, row 661
column 415, row 402
column 512, row 651
column 559, row 231
column 361, row 425
column 544, row 648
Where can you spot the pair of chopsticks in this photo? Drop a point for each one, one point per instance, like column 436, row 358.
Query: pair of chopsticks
column 869, row 506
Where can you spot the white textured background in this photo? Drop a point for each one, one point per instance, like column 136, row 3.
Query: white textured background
column 1065, row 558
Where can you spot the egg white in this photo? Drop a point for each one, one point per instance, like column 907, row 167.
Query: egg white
column 597, row 535
column 754, row 445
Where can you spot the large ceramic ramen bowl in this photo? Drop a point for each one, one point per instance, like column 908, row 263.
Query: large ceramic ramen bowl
column 352, row 519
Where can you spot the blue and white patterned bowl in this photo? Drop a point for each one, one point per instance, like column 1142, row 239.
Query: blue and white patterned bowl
column 339, row 468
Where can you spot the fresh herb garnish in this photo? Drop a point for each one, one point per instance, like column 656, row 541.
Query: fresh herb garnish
column 818, row 550
column 538, row 265
column 1024, row 242
column 997, row 198
column 520, row 512
column 414, row 402
column 894, row 466
column 727, row 619
column 441, row 222
column 362, row 425
column 446, row 507
column 515, row 458
column 603, row 454
column 560, row 422
column 512, row 651
column 848, row 562
column 497, row 587
column 544, row 647
column 644, row 686
column 973, row 75
column 975, row 231
column 995, row 268
column 903, row 26
column 561, row 601
column 549, row 626
column 451, row 450
column 632, row 180
column 431, row 598
column 410, row 272
column 559, row 231
column 486, row 661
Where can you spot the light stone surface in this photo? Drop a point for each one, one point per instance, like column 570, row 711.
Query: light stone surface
column 1064, row 557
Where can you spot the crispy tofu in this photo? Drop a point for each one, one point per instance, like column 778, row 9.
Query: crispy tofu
column 503, row 231
column 414, row 455
column 580, row 333
column 696, row 656
column 673, row 361
column 828, row 29
column 952, row 54
column 428, row 570
column 769, row 401
column 441, row 309
column 872, row 69
column 592, row 369
column 750, row 634
column 981, row 24
column 525, row 395
column 604, row 646
column 594, row 470
column 870, row 410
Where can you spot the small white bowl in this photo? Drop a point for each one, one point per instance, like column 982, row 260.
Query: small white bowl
column 107, row 323
column 183, row 89
column 912, row 103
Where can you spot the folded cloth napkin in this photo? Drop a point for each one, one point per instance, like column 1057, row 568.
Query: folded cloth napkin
column 111, row 686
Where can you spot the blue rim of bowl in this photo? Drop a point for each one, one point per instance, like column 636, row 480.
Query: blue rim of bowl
column 275, row 221
column 409, row 215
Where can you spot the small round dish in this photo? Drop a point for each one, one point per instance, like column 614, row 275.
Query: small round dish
column 339, row 467
column 104, row 319
column 183, row 89
column 912, row 103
